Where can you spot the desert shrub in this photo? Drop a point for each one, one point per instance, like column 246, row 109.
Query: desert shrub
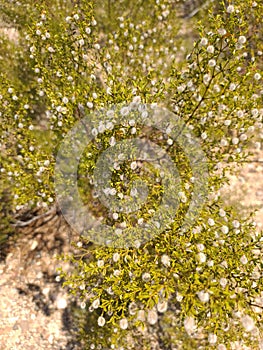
column 6, row 212
column 110, row 68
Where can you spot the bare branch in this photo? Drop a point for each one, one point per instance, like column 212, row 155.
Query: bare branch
column 196, row 10
column 20, row 223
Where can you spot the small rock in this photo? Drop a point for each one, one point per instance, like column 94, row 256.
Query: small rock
column 51, row 339
column 34, row 245
column 15, row 327
column 46, row 291
column 61, row 303
column 39, row 275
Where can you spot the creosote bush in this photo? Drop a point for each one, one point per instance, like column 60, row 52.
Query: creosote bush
column 197, row 288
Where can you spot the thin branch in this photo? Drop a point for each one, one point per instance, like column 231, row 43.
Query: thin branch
column 256, row 305
column 20, row 223
column 109, row 9
column 198, row 9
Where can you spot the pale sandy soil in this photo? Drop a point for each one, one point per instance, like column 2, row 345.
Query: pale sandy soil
column 35, row 311
column 246, row 188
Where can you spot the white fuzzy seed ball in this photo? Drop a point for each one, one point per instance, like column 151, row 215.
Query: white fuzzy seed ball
column 230, row 9
column 101, row 321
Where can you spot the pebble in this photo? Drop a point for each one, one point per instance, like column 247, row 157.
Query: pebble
column 33, row 245
column 46, row 291
column 51, row 339
column 15, row 327
column 61, row 303
column 39, row 275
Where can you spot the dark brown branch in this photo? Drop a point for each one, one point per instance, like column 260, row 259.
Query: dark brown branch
column 20, row 223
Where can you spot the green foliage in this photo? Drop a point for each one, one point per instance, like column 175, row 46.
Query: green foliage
column 192, row 289
column 5, row 215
